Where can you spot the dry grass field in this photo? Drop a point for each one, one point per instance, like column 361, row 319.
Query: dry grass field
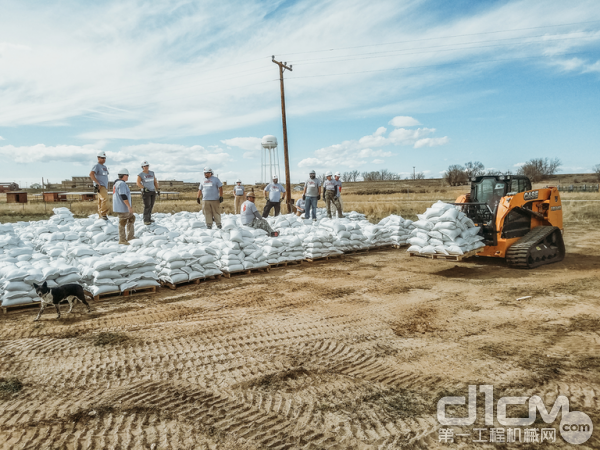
column 350, row 353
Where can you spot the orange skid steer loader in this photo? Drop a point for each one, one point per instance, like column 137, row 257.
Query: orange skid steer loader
column 521, row 224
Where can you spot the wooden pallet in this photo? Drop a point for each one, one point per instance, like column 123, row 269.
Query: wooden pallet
column 400, row 246
column 359, row 250
column 285, row 264
column 107, row 294
column 448, row 257
column 144, row 290
column 245, row 272
column 324, row 258
column 5, row 309
column 186, row 283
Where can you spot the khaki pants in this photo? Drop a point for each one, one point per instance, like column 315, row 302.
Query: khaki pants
column 126, row 221
column 102, row 201
column 212, row 210
column 237, row 206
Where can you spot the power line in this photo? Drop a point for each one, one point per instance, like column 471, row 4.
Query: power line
column 458, row 46
column 434, row 65
column 445, row 37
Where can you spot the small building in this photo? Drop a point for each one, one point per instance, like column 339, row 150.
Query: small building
column 7, row 187
column 80, row 196
column 50, row 197
column 16, row 197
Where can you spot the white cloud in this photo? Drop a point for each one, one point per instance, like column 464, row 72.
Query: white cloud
column 404, row 121
column 2, row 139
column 431, row 142
column 168, row 160
column 354, row 153
column 519, row 164
column 245, row 143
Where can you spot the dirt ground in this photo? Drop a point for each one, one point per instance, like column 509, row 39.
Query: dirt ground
column 341, row 354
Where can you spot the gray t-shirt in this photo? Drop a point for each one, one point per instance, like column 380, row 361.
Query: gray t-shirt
column 338, row 185
column 329, row 185
column 249, row 212
column 312, row 187
column 147, row 179
column 210, row 188
column 238, row 190
column 120, row 188
column 274, row 190
column 101, row 172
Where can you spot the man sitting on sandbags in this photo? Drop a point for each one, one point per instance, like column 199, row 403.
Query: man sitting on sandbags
column 250, row 216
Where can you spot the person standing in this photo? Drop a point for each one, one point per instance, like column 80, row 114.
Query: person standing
column 250, row 216
column 211, row 191
column 300, row 206
column 238, row 196
column 273, row 196
column 312, row 194
column 99, row 176
column 148, row 183
column 330, row 194
column 122, row 206
column 338, row 181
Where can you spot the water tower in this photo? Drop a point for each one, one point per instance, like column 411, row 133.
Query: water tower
column 269, row 159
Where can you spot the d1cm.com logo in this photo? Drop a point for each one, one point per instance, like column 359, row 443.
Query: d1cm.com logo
column 575, row 427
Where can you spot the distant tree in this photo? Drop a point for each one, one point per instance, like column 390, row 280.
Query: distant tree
column 322, row 178
column 493, row 172
column 538, row 168
column 35, row 186
column 456, row 175
column 474, row 169
column 596, row 169
column 419, row 176
column 347, row 177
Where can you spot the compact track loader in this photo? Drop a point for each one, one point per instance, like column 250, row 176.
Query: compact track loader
column 521, row 224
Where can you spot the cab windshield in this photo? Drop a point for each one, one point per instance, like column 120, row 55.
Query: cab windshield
column 489, row 191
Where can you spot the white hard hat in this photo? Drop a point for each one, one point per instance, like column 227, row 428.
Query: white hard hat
column 123, row 172
column 145, row 163
column 311, row 172
column 101, row 155
column 238, row 181
column 328, row 174
column 337, row 174
column 275, row 177
column 208, row 169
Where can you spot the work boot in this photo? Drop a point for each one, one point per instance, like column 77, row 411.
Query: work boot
column 219, row 227
column 123, row 242
column 209, row 227
column 147, row 223
column 104, row 218
column 275, row 234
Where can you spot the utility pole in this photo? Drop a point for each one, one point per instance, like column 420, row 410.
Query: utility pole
column 288, row 194
column 414, row 173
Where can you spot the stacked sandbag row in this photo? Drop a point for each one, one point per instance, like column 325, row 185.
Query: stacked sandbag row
column 398, row 227
column 445, row 230
column 186, row 262
column 239, row 248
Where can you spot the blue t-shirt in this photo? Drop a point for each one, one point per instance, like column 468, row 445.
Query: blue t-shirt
column 274, row 190
column 101, row 172
column 210, row 188
column 120, row 188
column 147, row 180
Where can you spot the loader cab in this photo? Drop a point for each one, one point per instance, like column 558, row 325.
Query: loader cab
column 489, row 189
column 486, row 193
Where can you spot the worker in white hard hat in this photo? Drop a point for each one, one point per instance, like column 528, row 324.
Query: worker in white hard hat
column 238, row 196
column 312, row 194
column 250, row 216
column 99, row 176
column 210, row 192
column 337, row 176
column 123, row 208
column 273, row 197
column 148, row 184
column 330, row 188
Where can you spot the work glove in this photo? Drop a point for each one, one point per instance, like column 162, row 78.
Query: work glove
column 198, row 200
column 318, row 197
column 304, row 197
column 220, row 199
column 157, row 192
column 144, row 190
column 96, row 189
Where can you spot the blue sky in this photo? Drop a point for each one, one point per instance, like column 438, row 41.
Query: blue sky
column 387, row 84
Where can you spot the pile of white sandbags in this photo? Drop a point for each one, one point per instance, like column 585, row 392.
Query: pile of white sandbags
column 63, row 218
column 398, row 227
column 238, row 247
column 445, row 230
column 117, row 272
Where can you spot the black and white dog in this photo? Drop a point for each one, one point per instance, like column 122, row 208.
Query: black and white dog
column 53, row 296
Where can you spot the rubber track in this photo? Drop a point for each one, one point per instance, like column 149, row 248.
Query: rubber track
column 517, row 254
